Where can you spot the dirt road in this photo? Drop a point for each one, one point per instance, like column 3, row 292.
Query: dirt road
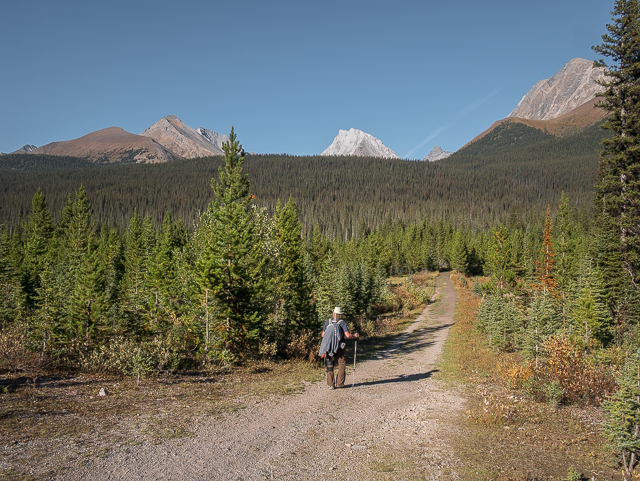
column 393, row 424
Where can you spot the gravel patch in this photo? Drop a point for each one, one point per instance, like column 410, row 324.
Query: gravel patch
column 394, row 423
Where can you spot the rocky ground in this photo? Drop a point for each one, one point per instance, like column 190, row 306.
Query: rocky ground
column 394, row 423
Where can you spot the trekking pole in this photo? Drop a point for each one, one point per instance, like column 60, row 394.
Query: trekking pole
column 355, row 353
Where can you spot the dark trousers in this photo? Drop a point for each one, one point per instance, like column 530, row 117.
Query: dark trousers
column 340, row 357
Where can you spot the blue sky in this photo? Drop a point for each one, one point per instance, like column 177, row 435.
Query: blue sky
column 287, row 74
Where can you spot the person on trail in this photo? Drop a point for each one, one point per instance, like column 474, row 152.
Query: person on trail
column 333, row 347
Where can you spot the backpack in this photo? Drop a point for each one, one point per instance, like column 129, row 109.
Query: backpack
column 331, row 341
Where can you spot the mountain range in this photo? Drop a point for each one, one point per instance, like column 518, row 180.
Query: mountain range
column 559, row 105
column 167, row 139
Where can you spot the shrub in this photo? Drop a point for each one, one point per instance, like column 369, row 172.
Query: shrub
column 130, row 357
column 303, row 345
column 582, row 379
column 564, row 374
column 15, row 354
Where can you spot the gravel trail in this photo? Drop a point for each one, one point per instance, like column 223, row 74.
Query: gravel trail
column 393, row 424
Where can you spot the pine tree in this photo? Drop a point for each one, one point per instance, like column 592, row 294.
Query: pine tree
column 231, row 267
column 110, row 258
column 430, row 254
column 46, row 319
column 319, row 248
column 326, row 292
column 618, row 186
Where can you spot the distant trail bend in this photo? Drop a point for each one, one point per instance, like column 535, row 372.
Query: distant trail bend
column 394, row 424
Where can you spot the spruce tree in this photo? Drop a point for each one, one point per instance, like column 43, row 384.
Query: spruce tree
column 618, row 185
column 500, row 262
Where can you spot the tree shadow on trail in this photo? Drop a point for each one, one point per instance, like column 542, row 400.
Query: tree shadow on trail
column 400, row 378
column 407, row 343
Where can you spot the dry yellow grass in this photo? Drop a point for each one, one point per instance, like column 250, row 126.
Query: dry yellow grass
column 506, row 435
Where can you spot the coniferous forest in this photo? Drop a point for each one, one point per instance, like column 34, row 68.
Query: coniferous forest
column 140, row 268
column 514, row 170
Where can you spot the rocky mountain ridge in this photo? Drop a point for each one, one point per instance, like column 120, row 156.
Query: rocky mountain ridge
column 177, row 137
column 354, row 142
column 572, row 86
column 563, row 104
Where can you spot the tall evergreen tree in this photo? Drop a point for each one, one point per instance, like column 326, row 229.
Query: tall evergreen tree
column 135, row 293
column 292, row 290
column 110, row 258
column 37, row 250
column 79, row 272
column 459, row 254
column 618, row 186
column 588, row 316
column 564, row 242
column 11, row 298
column 232, row 267
column 543, row 321
column 623, row 416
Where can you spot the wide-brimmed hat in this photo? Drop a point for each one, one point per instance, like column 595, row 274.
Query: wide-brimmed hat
column 337, row 310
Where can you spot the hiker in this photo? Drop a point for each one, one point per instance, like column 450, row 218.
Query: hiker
column 333, row 347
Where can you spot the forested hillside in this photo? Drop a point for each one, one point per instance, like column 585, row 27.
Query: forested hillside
column 513, row 169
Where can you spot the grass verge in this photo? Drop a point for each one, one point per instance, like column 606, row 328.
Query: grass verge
column 508, row 436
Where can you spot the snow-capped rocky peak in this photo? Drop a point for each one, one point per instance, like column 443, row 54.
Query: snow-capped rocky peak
column 437, row 154
column 358, row 143
column 25, row 148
